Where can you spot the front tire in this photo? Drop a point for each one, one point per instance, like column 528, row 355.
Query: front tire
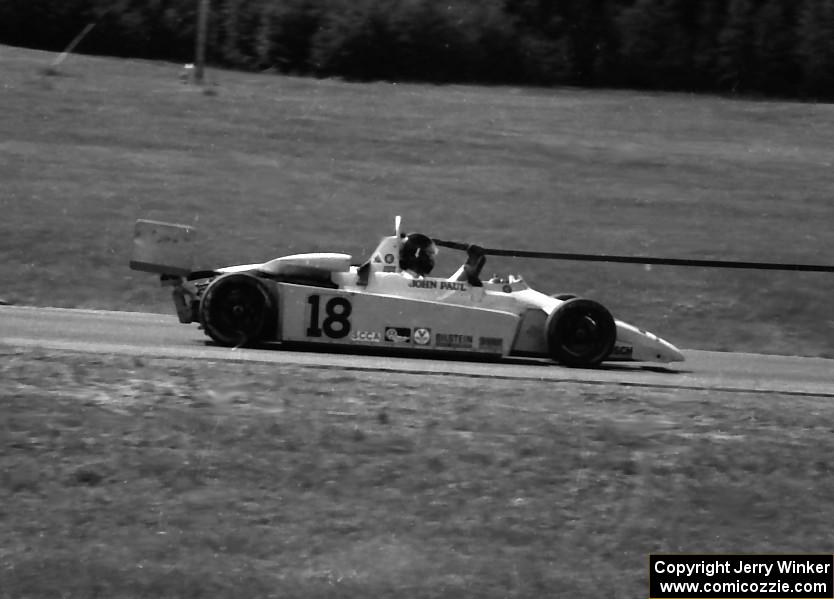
column 237, row 310
column 580, row 333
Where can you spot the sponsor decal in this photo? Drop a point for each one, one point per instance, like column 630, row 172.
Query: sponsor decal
column 389, row 269
column 397, row 335
column 422, row 336
column 377, row 259
column 622, row 351
column 422, row 284
column 453, row 341
column 495, row 344
column 366, row 337
column 507, row 289
column 389, row 258
column 442, row 285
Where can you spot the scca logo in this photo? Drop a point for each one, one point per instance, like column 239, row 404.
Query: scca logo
column 366, row 336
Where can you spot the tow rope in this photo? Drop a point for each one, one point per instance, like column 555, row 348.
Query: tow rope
column 636, row 259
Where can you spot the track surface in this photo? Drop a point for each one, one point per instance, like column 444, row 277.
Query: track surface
column 134, row 333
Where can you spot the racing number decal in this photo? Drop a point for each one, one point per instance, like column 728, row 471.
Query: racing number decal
column 336, row 323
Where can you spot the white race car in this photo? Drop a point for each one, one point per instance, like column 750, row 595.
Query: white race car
column 321, row 299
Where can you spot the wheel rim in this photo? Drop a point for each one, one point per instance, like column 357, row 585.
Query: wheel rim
column 239, row 312
column 582, row 335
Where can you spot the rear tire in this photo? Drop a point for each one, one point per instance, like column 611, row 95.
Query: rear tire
column 580, row 333
column 238, row 310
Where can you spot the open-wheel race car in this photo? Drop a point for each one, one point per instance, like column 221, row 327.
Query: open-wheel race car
column 390, row 303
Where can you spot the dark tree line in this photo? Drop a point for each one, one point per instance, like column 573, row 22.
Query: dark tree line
column 774, row 47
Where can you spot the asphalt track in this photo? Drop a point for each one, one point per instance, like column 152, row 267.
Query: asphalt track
column 158, row 335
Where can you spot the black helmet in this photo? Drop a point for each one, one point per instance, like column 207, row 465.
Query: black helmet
column 417, row 254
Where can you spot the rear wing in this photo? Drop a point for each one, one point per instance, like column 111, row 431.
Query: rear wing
column 163, row 248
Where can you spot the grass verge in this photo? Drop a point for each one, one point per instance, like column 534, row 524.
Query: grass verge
column 268, row 166
column 127, row 477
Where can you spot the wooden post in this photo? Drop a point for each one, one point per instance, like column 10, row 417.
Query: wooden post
column 63, row 55
column 200, row 44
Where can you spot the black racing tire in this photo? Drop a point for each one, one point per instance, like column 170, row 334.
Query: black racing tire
column 238, row 310
column 564, row 296
column 580, row 333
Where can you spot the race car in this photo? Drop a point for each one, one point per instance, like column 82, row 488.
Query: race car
column 322, row 299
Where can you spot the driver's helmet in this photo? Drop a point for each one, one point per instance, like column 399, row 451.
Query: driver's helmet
column 417, row 254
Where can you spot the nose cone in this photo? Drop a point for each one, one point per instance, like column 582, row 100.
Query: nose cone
column 647, row 347
column 666, row 352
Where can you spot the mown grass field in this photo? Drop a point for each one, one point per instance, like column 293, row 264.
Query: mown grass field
column 266, row 166
column 124, row 477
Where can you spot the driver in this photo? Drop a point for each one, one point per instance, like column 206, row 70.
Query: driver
column 417, row 253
